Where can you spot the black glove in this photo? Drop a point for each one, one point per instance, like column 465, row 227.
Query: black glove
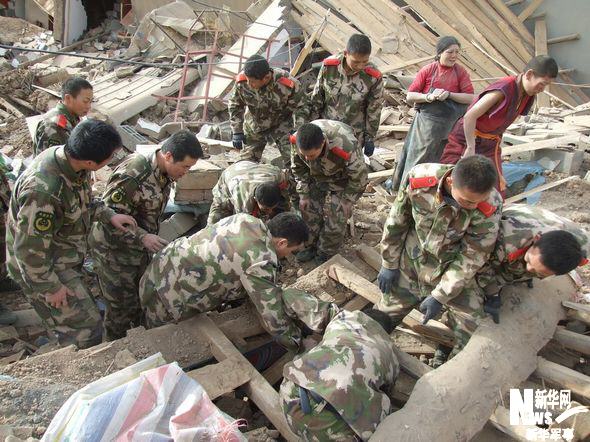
column 369, row 147
column 430, row 307
column 492, row 307
column 529, row 283
column 387, row 279
column 238, row 140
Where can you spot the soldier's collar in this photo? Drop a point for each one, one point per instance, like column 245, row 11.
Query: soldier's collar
column 62, row 109
column 161, row 177
column 440, row 190
column 63, row 163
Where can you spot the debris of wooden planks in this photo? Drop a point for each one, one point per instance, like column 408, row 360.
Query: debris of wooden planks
column 223, row 377
column 433, row 330
column 578, row 311
column 538, row 189
column 572, row 340
column 564, row 377
column 11, row 108
column 356, row 283
column 257, row 388
column 496, row 358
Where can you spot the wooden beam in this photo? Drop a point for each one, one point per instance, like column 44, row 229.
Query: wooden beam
column 541, row 49
column 354, row 282
column 513, row 2
column 10, row 108
column 63, row 50
column 223, row 377
column 543, row 144
column 402, row 65
column 308, row 46
column 528, row 11
column 572, row 340
column 258, row 389
column 434, row 330
column 381, row 174
column 562, row 376
column 513, row 20
column 538, row 189
column 395, row 127
column 370, row 255
column 569, row 37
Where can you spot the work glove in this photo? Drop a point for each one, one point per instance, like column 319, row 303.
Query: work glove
column 238, row 140
column 369, row 147
column 430, row 307
column 492, row 307
column 387, row 279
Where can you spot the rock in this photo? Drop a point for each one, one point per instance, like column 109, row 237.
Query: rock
column 124, row 358
column 300, row 273
column 289, row 272
column 15, row 393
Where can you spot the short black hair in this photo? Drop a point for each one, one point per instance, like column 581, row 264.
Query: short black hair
column 256, row 67
column 182, row 144
column 382, row 318
column 444, row 43
column 476, row 173
column 560, row 251
column 93, row 140
column 358, row 44
column 543, row 66
column 268, row 194
column 289, row 226
column 73, row 85
column 309, row 137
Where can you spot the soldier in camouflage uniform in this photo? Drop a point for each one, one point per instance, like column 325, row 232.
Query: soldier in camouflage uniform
column 6, row 284
column 532, row 243
column 265, row 105
column 339, row 389
column 330, row 176
column 246, row 187
column 440, row 231
column 57, row 124
column 238, row 256
column 50, row 214
column 350, row 89
column 138, row 187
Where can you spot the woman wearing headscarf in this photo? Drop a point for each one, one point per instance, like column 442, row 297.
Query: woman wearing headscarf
column 441, row 92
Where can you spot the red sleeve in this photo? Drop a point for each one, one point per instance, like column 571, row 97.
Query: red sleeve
column 419, row 83
column 465, row 85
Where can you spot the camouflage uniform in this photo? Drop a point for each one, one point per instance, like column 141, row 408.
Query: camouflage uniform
column 267, row 114
column 339, row 173
column 519, row 226
column 54, row 129
column 234, row 192
column 222, row 262
column 348, row 372
column 354, row 99
column 4, row 203
column 137, row 188
column 437, row 245
column 48, row 221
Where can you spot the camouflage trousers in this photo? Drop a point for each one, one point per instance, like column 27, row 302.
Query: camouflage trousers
column 464, row 311
column 320, row 425
column 119, row 286
column 325, row 219
column 3, row 273
column 79, row 323
column 256, row 142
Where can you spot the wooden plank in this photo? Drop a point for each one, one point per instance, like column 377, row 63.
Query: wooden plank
column 257, row 389
column 543, row 144
column 223, row 377
column 354, row 282
column 512, row 19
column 513, row 2
column 7, row 333
column 572, row 340
column 308, row 46
column 12, row 358
column 434, row 330
column 577, row 306
column 395, row 127
column 274, row 373
column 538, row 189
column 370, row 255
column 10, row 108
column 568, row 37
column 564, row 377
column 381, row 174
column 528, row 11
column 541, row 49
column 411, row 365
column 405, row 64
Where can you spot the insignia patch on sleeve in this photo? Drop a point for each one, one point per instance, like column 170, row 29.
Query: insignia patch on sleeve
column 117, row 196
column 43, row 221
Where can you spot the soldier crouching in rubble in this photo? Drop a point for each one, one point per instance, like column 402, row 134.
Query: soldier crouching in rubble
column 51, row 210
column 138, row 187
column 532, row 243
column 339, row 389
column 247, row 187
column 225, row 261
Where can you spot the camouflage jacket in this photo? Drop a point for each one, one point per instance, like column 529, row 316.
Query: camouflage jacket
column 49, row 218
column 519, row 226
column 354, row 99
column 138, row 188
column 54, row 129
column 340, row 167
column 252, row 110
column 445, row 243
column 234, row 192
column 350, row 368
column 223, row 262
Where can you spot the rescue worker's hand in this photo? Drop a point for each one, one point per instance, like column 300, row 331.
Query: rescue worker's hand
column 369, row 147
column 346, row 208
column 304, row 204
column 430, row 307
column 124, row 223
column 238, row 140
column 387, row 279
column 59, row 298
column 153, row 243
column 492, row 307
